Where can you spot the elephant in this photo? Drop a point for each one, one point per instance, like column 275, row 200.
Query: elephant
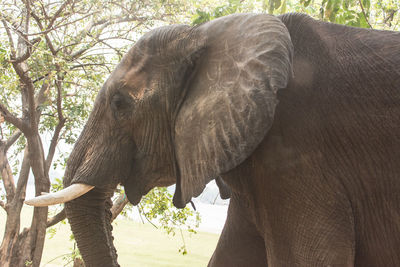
column 297, row 119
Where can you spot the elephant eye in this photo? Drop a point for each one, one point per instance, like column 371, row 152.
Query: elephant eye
column 119, row 103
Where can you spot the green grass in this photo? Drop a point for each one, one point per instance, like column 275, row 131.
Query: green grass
column 137, row 244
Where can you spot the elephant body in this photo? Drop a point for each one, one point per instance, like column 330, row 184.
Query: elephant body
column 322, row 189
column 304, row 131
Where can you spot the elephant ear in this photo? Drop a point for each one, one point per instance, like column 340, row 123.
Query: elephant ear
column 231, row 97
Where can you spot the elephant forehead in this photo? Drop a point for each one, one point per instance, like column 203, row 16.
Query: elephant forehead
column 131, row 80
column 137, row 80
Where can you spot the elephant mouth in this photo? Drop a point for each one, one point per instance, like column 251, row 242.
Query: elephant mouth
column 67, row 194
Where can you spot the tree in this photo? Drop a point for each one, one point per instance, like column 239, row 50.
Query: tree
column 54, row 57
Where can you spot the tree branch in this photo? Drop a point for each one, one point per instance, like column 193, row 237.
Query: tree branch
column 365, row 15
column 48, row 41
column 11, row 118
column 91, row 64
column 27, row 87
column 46, row 31
column 116, row 209
column 59, row 93
column 56, row 219
column 10, row 39
column 7, row 176
column 53, row 143
column 61, row 120
column 28, row 51
column 43, row 9
column 10, row 141
column 118, row 206
column 41, row 96
column 23, row 175
column 27, row 84
column 57, row 14
column 111, row 47
column 1, row 128
column 104, row 23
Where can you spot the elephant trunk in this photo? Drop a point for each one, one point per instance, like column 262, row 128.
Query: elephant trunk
column 94, row 162
column 90, row 220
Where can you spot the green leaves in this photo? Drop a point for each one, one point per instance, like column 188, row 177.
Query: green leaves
column 348, row 12
column 272, row 5
column 157, row 208
column 157, row 205
column 232, row 6
column 366, row 4
column 331, row 10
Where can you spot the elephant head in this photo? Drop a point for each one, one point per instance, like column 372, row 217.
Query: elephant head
column 184, row 105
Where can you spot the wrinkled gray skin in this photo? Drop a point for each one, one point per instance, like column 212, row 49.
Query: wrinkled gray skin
column 299, row 118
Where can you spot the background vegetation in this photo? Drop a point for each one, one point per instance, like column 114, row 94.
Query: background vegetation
column 55, row 56
column 137, row 244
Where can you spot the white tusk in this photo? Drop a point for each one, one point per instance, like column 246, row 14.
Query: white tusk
column 67, row 194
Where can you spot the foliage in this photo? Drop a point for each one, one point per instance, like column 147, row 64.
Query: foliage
column 157, row 205
column 157, row 208
column 382, row 14
column 232, row 6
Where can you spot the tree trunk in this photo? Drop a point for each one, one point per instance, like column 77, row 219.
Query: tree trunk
column 34, row 243
column 10, row 245
column 10, row 239
column 18, row 249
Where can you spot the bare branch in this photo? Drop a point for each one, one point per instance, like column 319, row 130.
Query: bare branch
column 57, row 14
column 79, row 53
column 10, row 141
column 23, row 175
column 103, row 23
column 43, row 9
column 10, row 39
column 1, row 129
column 53, row 143
column 27, row 18
column 46, row 31
column 111, row 47
column 91, row 64
column 365, row 15
column 61, row 120
column 56, row 219
column 118, row 206
column 59, row 93
column 11, row 118
column 141, row 209
column 48, row 41
column 7, row 176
